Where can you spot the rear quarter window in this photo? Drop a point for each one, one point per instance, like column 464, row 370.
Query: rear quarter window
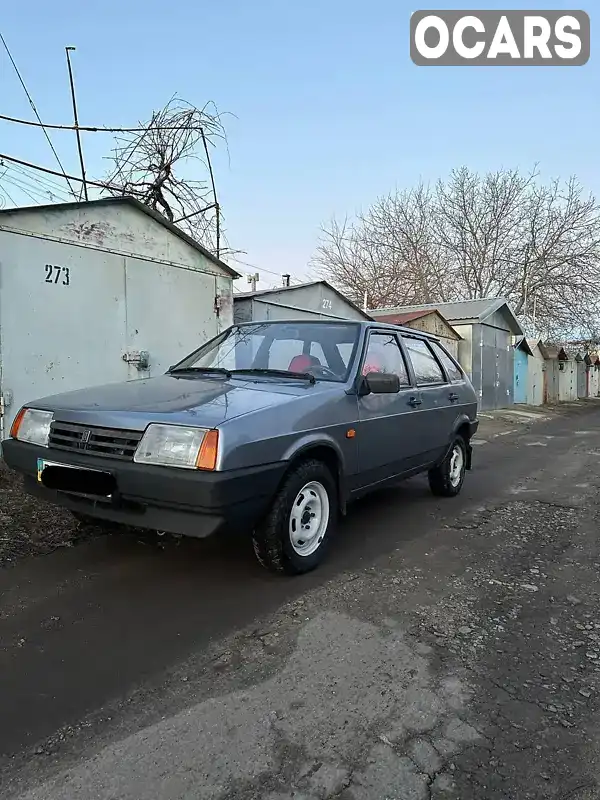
column 452, row 370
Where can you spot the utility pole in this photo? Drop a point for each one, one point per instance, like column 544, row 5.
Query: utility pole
column 253, row 280
column 76, row 121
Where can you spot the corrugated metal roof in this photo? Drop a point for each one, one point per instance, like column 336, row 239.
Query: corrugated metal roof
column 463, row 312
column 400, row 319
column 410, row 316
column 135, row 203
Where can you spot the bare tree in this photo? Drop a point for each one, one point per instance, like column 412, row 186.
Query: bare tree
column 389, row 253
column 498, row 235
column 159, row 164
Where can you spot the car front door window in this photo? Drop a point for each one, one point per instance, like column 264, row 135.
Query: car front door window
column 384, row 355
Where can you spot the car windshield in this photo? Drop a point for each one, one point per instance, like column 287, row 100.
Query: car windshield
column 322, row 350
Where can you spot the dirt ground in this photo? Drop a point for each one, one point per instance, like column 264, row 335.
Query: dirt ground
column 445, row 650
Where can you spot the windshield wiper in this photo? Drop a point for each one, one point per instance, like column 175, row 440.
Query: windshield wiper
column 277, row 373
column 202, row 370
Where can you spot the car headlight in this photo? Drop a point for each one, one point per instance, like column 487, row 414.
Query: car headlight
column 32, row 426
column 177, row 446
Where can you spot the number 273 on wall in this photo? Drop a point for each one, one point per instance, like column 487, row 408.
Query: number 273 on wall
column 56, row 274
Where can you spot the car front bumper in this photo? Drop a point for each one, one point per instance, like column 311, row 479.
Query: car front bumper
column 187, row 502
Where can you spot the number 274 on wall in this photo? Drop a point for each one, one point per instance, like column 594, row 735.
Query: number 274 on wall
column 57, row 274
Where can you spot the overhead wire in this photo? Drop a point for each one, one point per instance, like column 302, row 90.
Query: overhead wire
column 262, row 269
column 22, row 189
column 35, row 111
column 42, row 193
column 45, row 184
column 4, row 190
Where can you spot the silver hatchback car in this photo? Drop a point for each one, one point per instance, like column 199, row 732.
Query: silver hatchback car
column 274, row 427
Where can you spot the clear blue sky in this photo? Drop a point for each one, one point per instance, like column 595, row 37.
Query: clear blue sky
column 330, row 111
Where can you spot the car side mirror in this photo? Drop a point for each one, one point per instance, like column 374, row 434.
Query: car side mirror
column 380, row 383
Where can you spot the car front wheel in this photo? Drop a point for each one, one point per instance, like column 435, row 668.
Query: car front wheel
column 447, row 478
column 296, row 532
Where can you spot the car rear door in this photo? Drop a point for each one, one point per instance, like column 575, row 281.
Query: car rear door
column 387, row 443
column 436, row 411
column 460, row 391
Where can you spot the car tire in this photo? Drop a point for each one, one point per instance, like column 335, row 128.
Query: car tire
column 295, row 535
column 447, row 478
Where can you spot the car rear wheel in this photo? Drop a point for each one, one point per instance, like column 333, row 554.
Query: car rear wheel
column 295, row 535
column 446, row 480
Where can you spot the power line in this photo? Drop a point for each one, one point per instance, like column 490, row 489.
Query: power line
column 35, row 111
column 4, row 190
column 42, row 180
column 261, row 269
column 22, row 189
column 34, row 185
column 90, row 128
column 48, row 171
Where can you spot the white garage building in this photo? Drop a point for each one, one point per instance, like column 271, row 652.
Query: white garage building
column 101, row 291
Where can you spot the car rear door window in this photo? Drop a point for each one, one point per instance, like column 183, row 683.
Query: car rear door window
column 384, row 355
column 427, row 370
column 452, row 370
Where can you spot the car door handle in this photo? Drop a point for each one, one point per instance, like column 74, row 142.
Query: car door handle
column 414, row 402
column 453, row 397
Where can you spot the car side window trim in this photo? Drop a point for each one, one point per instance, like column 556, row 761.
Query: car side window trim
column 445, row 380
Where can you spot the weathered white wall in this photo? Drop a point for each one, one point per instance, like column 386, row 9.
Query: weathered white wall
column 111, row 227
column 72, row 331
column 567, row 382
column 594, row 385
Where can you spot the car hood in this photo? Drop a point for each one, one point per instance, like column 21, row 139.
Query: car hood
column 208, row 402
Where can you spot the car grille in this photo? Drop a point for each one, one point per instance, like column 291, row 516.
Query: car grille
column 106, row 442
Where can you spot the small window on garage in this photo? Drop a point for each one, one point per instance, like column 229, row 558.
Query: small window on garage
column 427, row 370
column 452, row 370
column 384, row 355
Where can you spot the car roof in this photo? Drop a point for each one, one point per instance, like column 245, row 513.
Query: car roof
column 368, row 324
